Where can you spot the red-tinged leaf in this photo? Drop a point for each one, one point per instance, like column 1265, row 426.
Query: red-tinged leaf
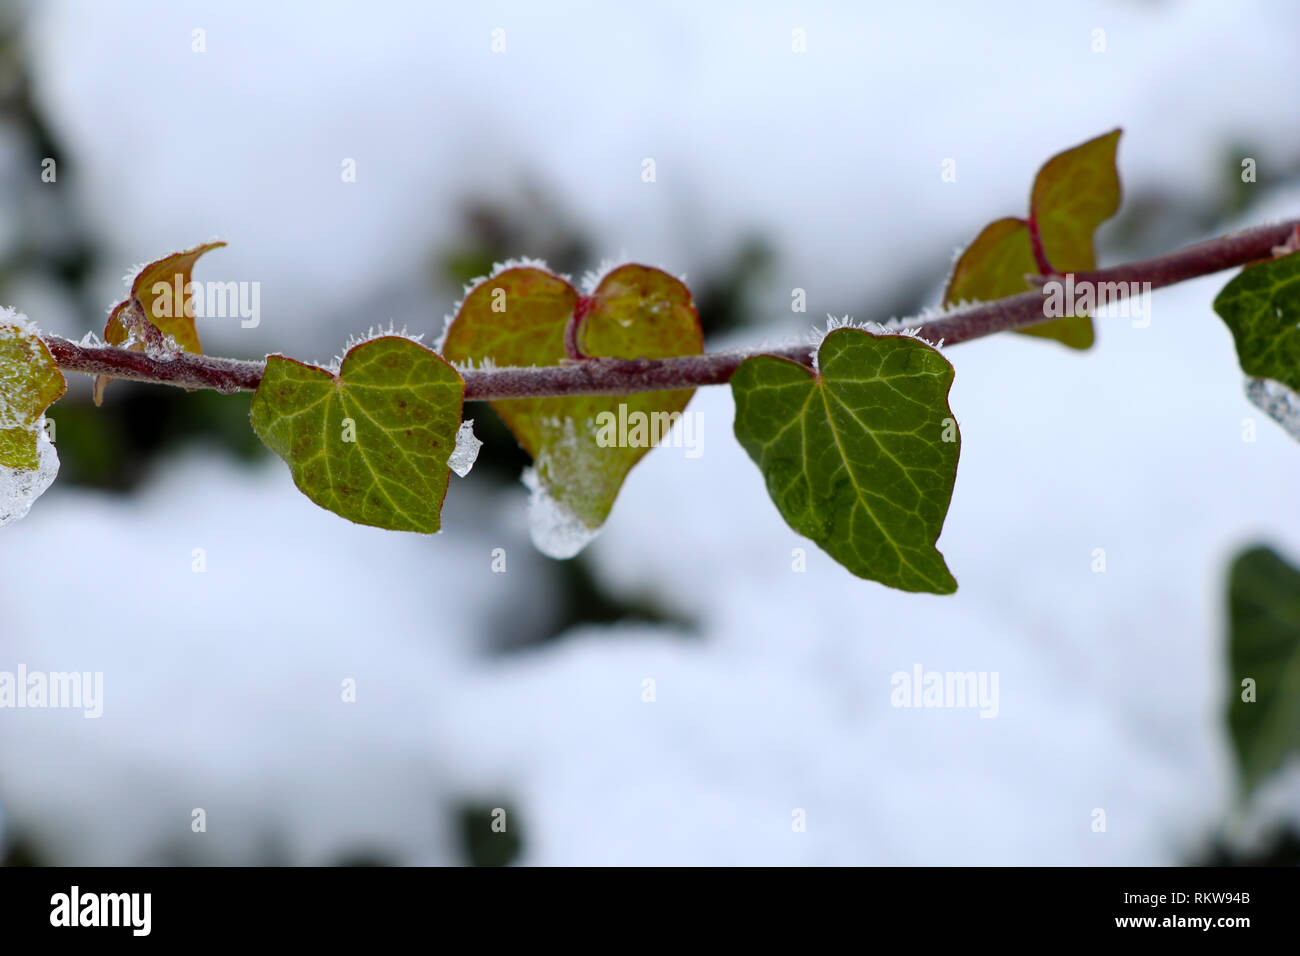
column 518, row 318
column 994, row 266
column 1074, row 192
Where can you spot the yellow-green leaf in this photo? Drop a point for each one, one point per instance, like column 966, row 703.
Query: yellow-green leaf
column 994, row 265
column 30, row 381
column 1073, row 193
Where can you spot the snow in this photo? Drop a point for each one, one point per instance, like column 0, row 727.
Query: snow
column 465, row 453
column 222, row 687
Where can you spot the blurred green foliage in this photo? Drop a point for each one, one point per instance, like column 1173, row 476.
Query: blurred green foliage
column 1263, row 710
column 489, row 838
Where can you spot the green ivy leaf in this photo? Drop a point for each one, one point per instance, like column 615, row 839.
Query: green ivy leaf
column 1074, row 192
column 30, row 382
column 861, row 455
column 372, row 442
column 1261, row 307
column 1264, row 611
column 518, row 318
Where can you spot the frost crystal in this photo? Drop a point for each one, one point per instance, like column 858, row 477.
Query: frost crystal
column 1277, row 402
column 374, row 332
column 892, row 327
column 523, row 262
column 556, row 531
column 161, row 351
column 465, row 453
column 20, row 487
column 591, row 278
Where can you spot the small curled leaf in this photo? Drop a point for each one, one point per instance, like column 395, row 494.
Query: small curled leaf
column 160, row 296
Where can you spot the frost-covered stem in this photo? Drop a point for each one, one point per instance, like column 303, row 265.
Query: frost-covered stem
column 184, row 370
column 609, row 376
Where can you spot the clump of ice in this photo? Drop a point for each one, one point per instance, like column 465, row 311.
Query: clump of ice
column 556, row 531
column 1277, row 402
column 20, row 487
column 465, row 453
column 16, row 319
column 162, row 348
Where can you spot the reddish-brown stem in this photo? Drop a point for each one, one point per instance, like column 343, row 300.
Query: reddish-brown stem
column 609, row 376
column 573, row 328
column 1036, row 246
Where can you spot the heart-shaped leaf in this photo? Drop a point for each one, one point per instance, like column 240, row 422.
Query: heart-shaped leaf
column 518, row 317
column 372, row 442
column 30, row 381
column 161, row 296
column 1261, row 307
column 1074, row 192
column 1264, row 648
column 859, row 455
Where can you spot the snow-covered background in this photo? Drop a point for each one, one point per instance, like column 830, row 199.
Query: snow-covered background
column 773, row 689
